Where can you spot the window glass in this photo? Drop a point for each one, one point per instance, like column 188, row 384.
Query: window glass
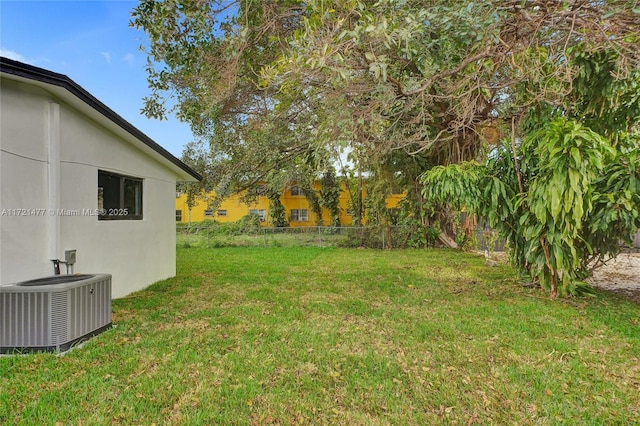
column 109, row 188
column 133, row 196
column 261, row 213
column 299, row 215
column 296, row 190
column 119, row 197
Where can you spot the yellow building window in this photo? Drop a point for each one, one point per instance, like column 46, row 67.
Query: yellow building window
column 299, row 215
column 296, row 190
column 261, row 213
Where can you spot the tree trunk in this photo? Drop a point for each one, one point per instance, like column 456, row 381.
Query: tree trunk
column 552, row 273
column 447, row 240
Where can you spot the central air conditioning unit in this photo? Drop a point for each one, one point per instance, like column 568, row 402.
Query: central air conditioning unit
column 53, row 313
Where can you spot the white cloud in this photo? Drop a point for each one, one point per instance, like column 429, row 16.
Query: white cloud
column 106, row 56
column 128, row 58
column 13, row 55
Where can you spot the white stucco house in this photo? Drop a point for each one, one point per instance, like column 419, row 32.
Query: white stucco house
column 74, row 175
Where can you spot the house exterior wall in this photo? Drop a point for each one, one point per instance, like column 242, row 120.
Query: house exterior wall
column 36, row 226
column 236, row 209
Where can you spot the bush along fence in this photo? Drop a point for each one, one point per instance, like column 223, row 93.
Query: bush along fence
column 203, row 235
column 249, row 233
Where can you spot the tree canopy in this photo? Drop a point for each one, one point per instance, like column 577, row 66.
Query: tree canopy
column 269, row 83
column 293, row 77
column 400, row 86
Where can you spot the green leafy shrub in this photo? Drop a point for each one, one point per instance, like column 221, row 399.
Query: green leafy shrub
column 573, row 199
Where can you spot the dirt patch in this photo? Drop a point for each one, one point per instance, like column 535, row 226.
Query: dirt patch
column 620, row 275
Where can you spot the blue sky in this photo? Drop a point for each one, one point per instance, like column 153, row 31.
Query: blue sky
column 91, row 42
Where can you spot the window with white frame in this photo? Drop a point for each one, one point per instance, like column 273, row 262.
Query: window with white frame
column 259, row 212
column 178, row 215
column 296, row 190
column 299, row 215
column 208, row 212
column 222, row 212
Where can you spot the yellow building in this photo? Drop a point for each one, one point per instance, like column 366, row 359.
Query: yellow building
column 295, row 203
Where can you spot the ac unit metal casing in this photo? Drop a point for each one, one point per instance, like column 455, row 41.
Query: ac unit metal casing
column 53, row 317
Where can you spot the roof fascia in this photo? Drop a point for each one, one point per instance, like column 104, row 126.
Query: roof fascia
column 50, row 78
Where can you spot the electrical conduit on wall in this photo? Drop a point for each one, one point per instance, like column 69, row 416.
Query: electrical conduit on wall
column 53, row 175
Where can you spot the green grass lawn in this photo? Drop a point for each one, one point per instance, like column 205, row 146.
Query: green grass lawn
column 336, row 336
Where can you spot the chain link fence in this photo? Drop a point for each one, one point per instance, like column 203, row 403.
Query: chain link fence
column 203, row 235
column 244, row 234
column 249, row 233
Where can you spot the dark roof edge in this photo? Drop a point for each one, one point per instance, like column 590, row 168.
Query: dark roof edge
column 31, row 72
